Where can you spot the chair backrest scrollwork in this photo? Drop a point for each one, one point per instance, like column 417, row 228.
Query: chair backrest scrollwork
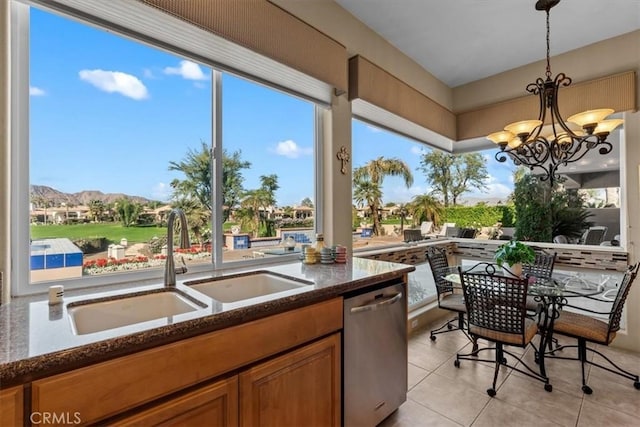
column 495, row 302
column 439, row 264
column 623, row 291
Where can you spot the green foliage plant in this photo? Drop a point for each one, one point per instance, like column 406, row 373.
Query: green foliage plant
column 514, row 252
column 543, row 212
column 451, row 175
column 480, row 215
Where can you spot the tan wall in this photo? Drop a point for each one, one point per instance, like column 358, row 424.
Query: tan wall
column 340, row 25
column 630, row 195
column 612, row 56
column 336, row 185
column 4, row 150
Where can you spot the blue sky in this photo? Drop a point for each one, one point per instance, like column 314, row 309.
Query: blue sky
column 108, row 114
column 371, row 142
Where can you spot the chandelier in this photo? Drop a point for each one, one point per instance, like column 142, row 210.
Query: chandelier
column 530, row 144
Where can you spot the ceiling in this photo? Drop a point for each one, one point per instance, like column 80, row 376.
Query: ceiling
column 460, row 41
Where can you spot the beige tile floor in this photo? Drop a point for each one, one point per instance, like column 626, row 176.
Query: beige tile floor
column 442, row 395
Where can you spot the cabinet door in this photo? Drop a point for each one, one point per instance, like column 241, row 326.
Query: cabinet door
column 300, row 388
column 212, row 405
column 11, row 403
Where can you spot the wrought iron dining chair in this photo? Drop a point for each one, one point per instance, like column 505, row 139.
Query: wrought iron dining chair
column 496, row 311
column 447, row 298
column 542, row 266
column 589, row 329
column 541, row 270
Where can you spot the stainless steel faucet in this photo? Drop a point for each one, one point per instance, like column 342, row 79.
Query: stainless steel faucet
column 169, row 266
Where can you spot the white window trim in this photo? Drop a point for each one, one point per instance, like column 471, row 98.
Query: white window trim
column 150, row 28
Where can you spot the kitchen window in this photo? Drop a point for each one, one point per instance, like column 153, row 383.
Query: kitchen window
column 116, row 132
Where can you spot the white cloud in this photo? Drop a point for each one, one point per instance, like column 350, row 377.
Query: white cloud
column 161, row 191
column 36, row 91
column 499, row 190
column 116, row 81
column 291, row 150
column 418, row 150
column 187, row 70
column 374, row 129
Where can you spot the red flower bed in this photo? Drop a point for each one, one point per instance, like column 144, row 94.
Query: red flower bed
column 105, row 262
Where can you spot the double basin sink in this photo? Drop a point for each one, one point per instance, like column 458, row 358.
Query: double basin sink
column 108, row 313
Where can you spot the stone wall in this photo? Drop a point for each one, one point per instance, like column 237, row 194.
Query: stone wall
column 572, row 256
column 569, row 256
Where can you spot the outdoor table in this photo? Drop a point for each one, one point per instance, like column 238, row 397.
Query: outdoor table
column 552, row 293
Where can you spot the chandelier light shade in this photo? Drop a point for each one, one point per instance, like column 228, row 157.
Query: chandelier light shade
column 522, row 141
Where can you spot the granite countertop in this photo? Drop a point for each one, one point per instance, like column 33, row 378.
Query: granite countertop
column 37, row 339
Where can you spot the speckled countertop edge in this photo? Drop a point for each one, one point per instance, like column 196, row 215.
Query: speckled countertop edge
column 16, row 370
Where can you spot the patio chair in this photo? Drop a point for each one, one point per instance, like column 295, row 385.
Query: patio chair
column 451, row 231
column 496, row 312
column 594, row 235
column 447, row 298
column 560, row 238
column 589, row 329
column 613, row 242
column 425, row 228
column 542, row 266
column 445, row 227
column 467, row 233
column 541, row 269
column 412, row 235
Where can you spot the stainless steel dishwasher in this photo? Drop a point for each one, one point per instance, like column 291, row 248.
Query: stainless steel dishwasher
column 374, row 354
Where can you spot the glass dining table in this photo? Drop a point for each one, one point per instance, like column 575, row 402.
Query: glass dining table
column 551, row 293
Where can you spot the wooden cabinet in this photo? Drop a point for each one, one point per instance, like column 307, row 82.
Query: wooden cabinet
column 300, row 388
column 214, row 405
column 11, row 407
column 110, row 389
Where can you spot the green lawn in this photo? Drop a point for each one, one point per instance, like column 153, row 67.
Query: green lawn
column 112, row 231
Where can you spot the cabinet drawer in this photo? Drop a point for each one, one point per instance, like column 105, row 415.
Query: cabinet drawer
column 108, row 388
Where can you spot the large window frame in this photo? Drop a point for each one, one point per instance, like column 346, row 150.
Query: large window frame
column 319, row 93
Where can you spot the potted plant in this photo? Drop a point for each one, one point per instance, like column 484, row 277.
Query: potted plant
column 514, row 254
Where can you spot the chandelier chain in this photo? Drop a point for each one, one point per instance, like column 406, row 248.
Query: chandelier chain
column 548, row 48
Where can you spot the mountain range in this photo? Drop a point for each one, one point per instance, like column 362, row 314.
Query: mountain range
column 56, row 197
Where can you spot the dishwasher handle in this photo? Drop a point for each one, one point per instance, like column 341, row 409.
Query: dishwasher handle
column 377, row 304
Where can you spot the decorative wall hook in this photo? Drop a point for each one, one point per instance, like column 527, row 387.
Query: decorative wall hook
column 344, row 157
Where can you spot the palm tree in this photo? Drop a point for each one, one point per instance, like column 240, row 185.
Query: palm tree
column 425, row 208
column 198, row 218
column 402, row 211
column 252, row 202
column 368, row 193
column 375, row 171
column 96, row 209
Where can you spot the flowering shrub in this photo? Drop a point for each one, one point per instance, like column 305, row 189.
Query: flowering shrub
column 110, row 265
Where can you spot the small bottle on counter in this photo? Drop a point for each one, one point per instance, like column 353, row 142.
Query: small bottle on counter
column 319, row 242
